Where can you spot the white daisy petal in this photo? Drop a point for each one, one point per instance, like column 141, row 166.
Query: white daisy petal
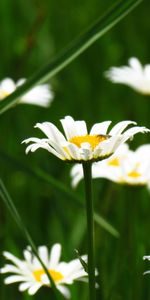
column 28, row 256
column 81, row 128
column 34, row 288
column 43, row 253
column 73, row 128
column 15, row 278
column 75, row 266
column 86, row 151
column 10, row 269
column 44, row 145
column 100, row 128
column 59, row 149
column 68, row 124
column 24, row 286
column 51, row 131
column 34, row 140
column 132, row 131
column 55, row 255
column 148, row 258
column 12, row 258
column 147, row 272
column 76, row 174
column 64, row 290
column 118, row 128
column 73, row 151
column 136, row 129
column 76, row 276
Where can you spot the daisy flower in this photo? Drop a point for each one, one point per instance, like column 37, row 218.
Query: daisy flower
column 148, row 258
column 80, row 146
column 31, row 276
column 124, row 167
column 135, row 75
column 41, row 95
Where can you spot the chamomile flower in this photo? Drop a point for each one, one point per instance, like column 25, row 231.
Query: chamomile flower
column 31, row 276
column 80, row 146
column 148, row 258
column 135, row 75
column 124, row 167
column 40, row 95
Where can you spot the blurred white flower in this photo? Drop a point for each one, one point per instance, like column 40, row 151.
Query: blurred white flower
column 40, row 95
column 148, row 258
column 124, row 167
column 31, row 276
column 78, row 145
column 135, row 75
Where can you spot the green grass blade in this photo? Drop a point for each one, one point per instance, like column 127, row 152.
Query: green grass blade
column 104, row 224
column 16, row 216
column 110, row 19
column 58, row 186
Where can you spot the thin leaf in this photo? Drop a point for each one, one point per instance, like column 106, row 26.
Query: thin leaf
column 84, row 41
column 104, row 224
column 16, row 216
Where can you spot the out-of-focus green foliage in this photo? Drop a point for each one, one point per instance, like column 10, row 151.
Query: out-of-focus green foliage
column 31, row 32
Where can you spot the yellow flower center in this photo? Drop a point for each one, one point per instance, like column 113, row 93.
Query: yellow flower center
column 134, row 174
column 114, row 162
column 93, row 140
column 56, row 276
column 3, row 94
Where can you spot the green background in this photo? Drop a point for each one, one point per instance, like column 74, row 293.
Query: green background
column 31, row 33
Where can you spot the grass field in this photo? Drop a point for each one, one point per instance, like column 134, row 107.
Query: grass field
column 32, row 33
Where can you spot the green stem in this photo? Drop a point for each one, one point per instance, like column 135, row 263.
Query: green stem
column 90, row 228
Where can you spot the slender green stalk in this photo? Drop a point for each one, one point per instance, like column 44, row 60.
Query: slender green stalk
column 15, row 214
column 90, row 227
column 78, row 46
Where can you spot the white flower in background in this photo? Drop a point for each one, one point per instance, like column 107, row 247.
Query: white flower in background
column 104, row 169
column 31, row 276
column 41, row 95
column 124, row 167
column 135, row 75
column 148, row 258
column 78, row 145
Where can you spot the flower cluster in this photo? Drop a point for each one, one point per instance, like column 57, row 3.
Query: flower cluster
column 40, row 95
column 124, row 167
column 31, row 276
column 80, row 146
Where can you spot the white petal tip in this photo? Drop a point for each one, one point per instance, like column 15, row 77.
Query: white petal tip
column 146, row 257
